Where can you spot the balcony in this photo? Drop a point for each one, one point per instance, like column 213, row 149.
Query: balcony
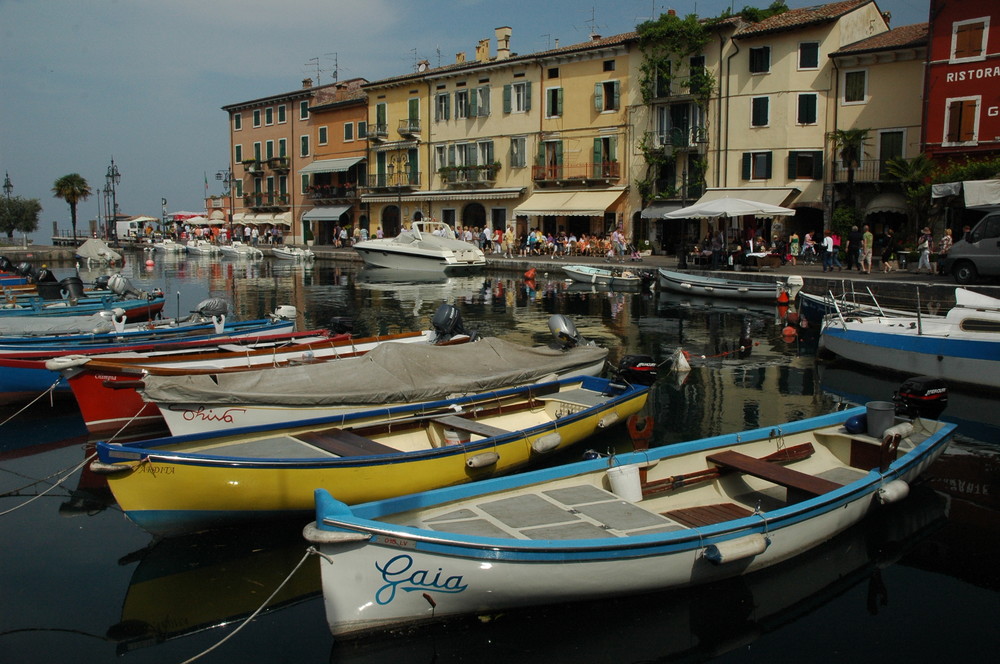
column 278, row 164
column 394, row 181
column 469, row 176
column 678, row 139
column 328, row 193
column 378, row 132
column 867, row 170
column 266, row 201
column 409, row 127
column 604, row 172
column 253, row 166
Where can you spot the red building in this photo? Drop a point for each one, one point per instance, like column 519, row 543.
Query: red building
column 962, row 84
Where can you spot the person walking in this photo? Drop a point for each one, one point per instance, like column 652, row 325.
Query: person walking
column 854, row 249
column 944, row 246
column 827, row 251
column 793, row 247
column 867, row 246
column 925, row 246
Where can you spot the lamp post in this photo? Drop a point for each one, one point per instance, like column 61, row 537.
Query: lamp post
column 113, row 177
column 7, row 186
column 228, row 184
column 107, row 211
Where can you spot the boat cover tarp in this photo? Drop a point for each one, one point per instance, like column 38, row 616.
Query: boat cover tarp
column 47, row 325
column 97, row 250
column 391, row 373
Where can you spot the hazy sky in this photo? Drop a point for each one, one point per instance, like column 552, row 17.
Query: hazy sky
column 143, row 80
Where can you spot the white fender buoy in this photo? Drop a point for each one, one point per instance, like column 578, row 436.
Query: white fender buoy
column 904, row 429
column 482, row 460
column 313, row 534
column 547, row 443
column 737, row 549
column 66, row 362
column 608, row 420
column 101, row 468
column 893, row 492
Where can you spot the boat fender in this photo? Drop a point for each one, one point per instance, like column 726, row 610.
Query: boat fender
column 314, row 535
column 893, row 492
column 482, row 460
column 608, row 420
column 547, row 443
column 904, row 429
column 220, row 323
column 101, row 468
column 66, row 362
column 737, row 549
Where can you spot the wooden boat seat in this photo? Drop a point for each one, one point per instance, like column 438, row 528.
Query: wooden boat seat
column 795, row 481
column 344, row 443
column 459, row 423
column 706, row 515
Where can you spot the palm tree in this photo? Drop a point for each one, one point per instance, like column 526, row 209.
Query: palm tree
column 72, row 188
column 849, row 144
column 914, row 176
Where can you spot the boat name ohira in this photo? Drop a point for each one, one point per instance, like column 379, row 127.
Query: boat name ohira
column 208, row 415
column 397, row 572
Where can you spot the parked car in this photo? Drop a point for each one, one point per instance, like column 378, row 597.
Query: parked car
column 978, row 255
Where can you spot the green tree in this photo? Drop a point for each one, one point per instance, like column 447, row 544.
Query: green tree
column 19, row 215
column 915, row 176
column 849, row 144
column 72, row 188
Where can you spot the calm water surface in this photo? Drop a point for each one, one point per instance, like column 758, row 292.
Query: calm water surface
column 919, row 582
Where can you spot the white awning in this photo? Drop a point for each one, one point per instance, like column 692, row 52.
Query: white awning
column 458, row 196
column 982, row 193
column 331, row 213
column 217, row 214
column 888, row 201
column 239, row 217
column 657, row 209
column 780, row 196
column 331, row 165
column 570, row 204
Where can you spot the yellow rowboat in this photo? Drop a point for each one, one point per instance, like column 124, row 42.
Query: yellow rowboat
column 183, row 483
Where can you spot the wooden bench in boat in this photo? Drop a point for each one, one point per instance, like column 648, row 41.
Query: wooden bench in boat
column 796, row 482
column 459, row 423
column 344, row 443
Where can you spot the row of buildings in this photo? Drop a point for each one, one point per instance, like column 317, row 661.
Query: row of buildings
column 613, row 132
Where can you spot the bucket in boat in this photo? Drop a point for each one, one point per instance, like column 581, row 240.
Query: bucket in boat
column 625, row 482
column 881, row 415
column 452, row 437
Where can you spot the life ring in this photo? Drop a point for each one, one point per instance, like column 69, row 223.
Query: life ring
column 887, row 452
column 640, row 427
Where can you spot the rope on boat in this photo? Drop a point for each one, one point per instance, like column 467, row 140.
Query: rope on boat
column 309, row 552
column 49, row 391
column 58, row 483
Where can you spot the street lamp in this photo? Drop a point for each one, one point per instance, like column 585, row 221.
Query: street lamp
column 7, row 186
column 113, row 177
column 107, row 211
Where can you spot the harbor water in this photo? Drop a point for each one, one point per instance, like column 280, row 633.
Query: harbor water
column 917, row 582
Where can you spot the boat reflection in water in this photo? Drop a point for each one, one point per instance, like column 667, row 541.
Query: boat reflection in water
column 692, row 623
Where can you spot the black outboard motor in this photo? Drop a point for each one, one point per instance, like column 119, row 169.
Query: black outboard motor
column 213, row 306
column 638, row 369
column 6, row 265
column 45, row 276
column 921, row 396
column 447, row 322
column 341, row 325
column 47, row 286
column 101, row 282
column 73, row 286
column 26, row 270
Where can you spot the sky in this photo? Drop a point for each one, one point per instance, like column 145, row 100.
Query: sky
column 143, row 81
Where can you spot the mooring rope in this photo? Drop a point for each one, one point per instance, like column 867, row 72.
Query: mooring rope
column 309, row 552
column 50, row 390
column 55, row 485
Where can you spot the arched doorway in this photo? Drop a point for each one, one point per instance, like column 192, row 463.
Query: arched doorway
column 390, row 221
column 474, row 215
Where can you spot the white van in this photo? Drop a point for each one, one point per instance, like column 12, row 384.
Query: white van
column 977, row 256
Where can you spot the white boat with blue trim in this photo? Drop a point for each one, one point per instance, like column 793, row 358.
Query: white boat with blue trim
column 706, row 286
column 670, row 516
column 602, row 276
column 427, row 245
column 962, row 347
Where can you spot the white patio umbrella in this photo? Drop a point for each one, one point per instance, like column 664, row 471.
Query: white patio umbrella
column 729, row 207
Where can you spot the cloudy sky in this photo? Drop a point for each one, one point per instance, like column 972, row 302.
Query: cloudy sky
column 143, row 80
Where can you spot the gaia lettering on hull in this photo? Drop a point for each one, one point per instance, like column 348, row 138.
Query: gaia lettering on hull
column 398, row 572
column 208, row 415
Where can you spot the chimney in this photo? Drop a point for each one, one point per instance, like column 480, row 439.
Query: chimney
column 483, row 50
column 503, row 42
column 595, row 37
column 671, row 12
column 460, row 58
column 307, row 83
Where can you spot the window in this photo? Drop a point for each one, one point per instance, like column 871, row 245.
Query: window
column 321, row 136
column 440, row 157
column 806, row 114
column 482, row 98
column 485, row 149
column 461, row 104
column 961, row 120
column 554, row 72
column 518, row 152
column 238, row 153
column 282, row 147
column 237, row 121
column 304, row 183
column 381, row 118
column 805, row 165
column 256, row 151
column 609, row 65
column 269, row 150
column 759, row 111
column 442, row 106
column 968, row 39
column 855, row 87
column 605, row 152
column 348, row 132
column 606, row 96
column 553, row 102
column 760, row 59
column 517, row 97
column 303, row 110
column 809, row 55
column 268, row 116
column 256, row 118
column 304, row 146
column 756, row 165
column 281, row 114
column 362, row 130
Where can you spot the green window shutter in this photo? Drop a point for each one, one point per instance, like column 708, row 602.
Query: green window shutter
column 559, row 103
column 473, row 103
column 414, row 109
column 451, row 155
column 817, row 165
column 447, row 106
column 527, row 96
column 597, row 151
column 768, row 166
column 618, row 95
column 559, row 153
column 792, row 158
column 746, row 165
column 614, row 149
column 541, row 153
column 508, row 91
column 598, row 97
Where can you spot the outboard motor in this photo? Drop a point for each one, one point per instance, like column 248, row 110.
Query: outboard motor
column 341, row 325
column 921, row 396
column 122, row 287
column 26, row 270
column 213, row 306
column 47, row 286
column 73, row 286
column 6, row 265
column 638, row 369
column 447, row 322
column 565, row 332
column 101, row 283
column 286, row 312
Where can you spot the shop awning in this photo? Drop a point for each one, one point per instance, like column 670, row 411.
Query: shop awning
column 570, row 204
column 780, row 196
column 889, row 201
column 239, row 217
column 330, row 213
column 331, row 165
column 657, row 209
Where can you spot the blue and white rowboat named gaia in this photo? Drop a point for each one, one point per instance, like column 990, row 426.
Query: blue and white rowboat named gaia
column 963, row 346
column 671, row 516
